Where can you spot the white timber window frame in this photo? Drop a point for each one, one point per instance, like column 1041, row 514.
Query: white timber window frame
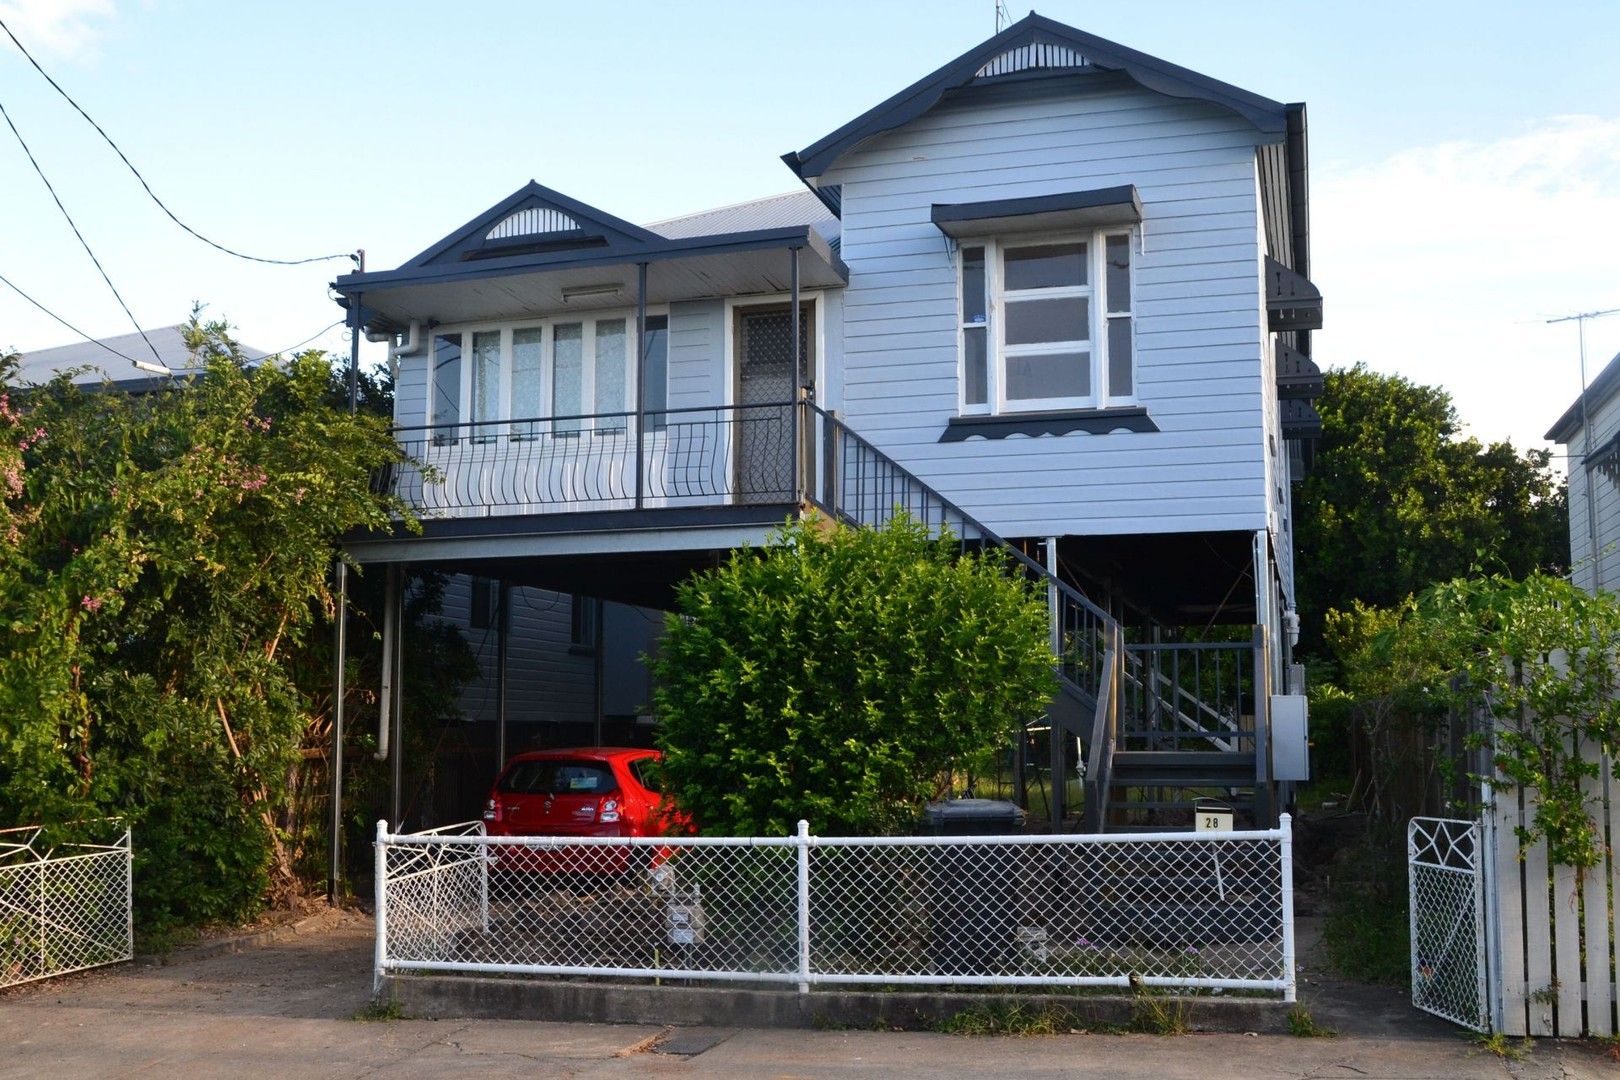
column 476, row 396
column 1109, row 347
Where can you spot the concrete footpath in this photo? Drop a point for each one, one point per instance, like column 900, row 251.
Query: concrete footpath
column 288, row 1008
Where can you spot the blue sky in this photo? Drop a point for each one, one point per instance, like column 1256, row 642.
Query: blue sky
column 1465, row 157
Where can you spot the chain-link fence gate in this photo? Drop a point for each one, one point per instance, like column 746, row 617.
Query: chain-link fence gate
column 1445, row 867
column 63, row 906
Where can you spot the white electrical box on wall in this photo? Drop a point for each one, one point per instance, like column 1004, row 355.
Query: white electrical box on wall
column 1290, row 738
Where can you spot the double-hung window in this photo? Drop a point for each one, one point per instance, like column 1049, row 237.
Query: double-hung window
column 1046, row 323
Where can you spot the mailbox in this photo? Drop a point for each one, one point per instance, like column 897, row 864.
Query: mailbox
column 1209, row 816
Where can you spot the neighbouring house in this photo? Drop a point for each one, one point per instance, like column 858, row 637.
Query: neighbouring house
column 1054, row 295
column 126, row 361
column 1589, row 431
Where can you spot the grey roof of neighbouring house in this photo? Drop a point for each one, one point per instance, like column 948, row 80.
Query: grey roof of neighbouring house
column 101, row 365
column 1598, row 391
column 775, row 211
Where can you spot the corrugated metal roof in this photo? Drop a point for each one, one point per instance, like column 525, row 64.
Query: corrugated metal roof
column 42, row 365
column 776, row 211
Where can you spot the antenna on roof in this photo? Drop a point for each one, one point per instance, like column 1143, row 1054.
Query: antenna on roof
column 1003, row 16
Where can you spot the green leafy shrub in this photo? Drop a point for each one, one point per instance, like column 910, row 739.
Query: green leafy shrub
column 838, row 674
column 165, row 559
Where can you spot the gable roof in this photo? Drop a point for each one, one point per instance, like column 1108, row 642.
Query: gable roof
column 533, row 217
column 1050, row 45
column 1597, row 393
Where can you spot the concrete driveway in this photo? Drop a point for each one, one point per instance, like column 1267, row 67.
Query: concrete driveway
column 288, row 1009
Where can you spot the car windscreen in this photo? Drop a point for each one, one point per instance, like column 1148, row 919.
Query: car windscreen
column 558, row 778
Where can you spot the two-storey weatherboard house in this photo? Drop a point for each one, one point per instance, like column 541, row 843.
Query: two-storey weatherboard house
column 1053, row 296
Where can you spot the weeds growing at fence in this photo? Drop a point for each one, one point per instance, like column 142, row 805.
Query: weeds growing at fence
column 1154, row 1012
column 379, row 1012
column 1001, row 1018
column 1302, row 1025
column 1503, row 1047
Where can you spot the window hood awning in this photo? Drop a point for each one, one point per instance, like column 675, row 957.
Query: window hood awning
column 1041, row 213
column 554, row 282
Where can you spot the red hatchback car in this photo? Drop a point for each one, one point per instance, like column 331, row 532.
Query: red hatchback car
column 587, row 791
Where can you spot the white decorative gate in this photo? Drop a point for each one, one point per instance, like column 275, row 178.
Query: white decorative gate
column 64, row 906
column 1449, row 957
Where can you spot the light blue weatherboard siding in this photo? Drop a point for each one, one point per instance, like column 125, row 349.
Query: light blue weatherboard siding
column 1605, row 417
column 1198, row 307
column 410, row 389
column 696, row 366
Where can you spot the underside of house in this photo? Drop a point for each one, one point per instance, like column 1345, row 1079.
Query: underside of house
column 1052, row 299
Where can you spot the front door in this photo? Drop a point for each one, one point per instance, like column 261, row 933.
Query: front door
column 763, row 418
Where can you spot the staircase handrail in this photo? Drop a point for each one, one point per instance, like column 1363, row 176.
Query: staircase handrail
column 1104, row 736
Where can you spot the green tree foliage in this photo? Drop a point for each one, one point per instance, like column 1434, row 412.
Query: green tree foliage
column 839, row 674
column 166, row 554
column 1398, row 500
column 1534, row 659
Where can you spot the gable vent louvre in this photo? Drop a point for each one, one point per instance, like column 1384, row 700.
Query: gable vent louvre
column 535, row 221
column 1027, row 57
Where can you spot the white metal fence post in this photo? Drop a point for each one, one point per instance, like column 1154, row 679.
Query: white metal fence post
column 1481, row 932
column 129, row 893
column 804, row 906
column 1493, row 911
column 483, row 877
column 1286, row 857
column 44, row 951
column 380, row 953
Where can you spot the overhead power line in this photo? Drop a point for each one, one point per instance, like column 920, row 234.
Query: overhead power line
column 148, row 187
column 94, row 341
column 306, row 341
column 82, row 241
column 14, row 287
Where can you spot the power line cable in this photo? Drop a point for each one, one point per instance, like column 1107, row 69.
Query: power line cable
column 306, row 341
column 83, row 242
column 148, row 187
column 94, row 341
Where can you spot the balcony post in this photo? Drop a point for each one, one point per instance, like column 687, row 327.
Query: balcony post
column 641, row 381
column 796, row 428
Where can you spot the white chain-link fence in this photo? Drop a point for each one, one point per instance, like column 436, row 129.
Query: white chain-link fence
column 1447, row 910
column 1183, row 910
column 63, row 907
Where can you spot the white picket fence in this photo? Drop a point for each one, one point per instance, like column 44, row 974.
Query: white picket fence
column 1555, row 936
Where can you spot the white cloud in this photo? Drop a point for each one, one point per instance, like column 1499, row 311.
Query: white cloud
column 1443, row 262
column 66, row 28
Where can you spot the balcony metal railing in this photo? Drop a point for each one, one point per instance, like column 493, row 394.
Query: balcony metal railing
column 708, row 456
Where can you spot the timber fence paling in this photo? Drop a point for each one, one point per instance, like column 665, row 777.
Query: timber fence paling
column 1556, row 936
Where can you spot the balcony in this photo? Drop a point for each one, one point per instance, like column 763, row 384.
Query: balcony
column 711, row 456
